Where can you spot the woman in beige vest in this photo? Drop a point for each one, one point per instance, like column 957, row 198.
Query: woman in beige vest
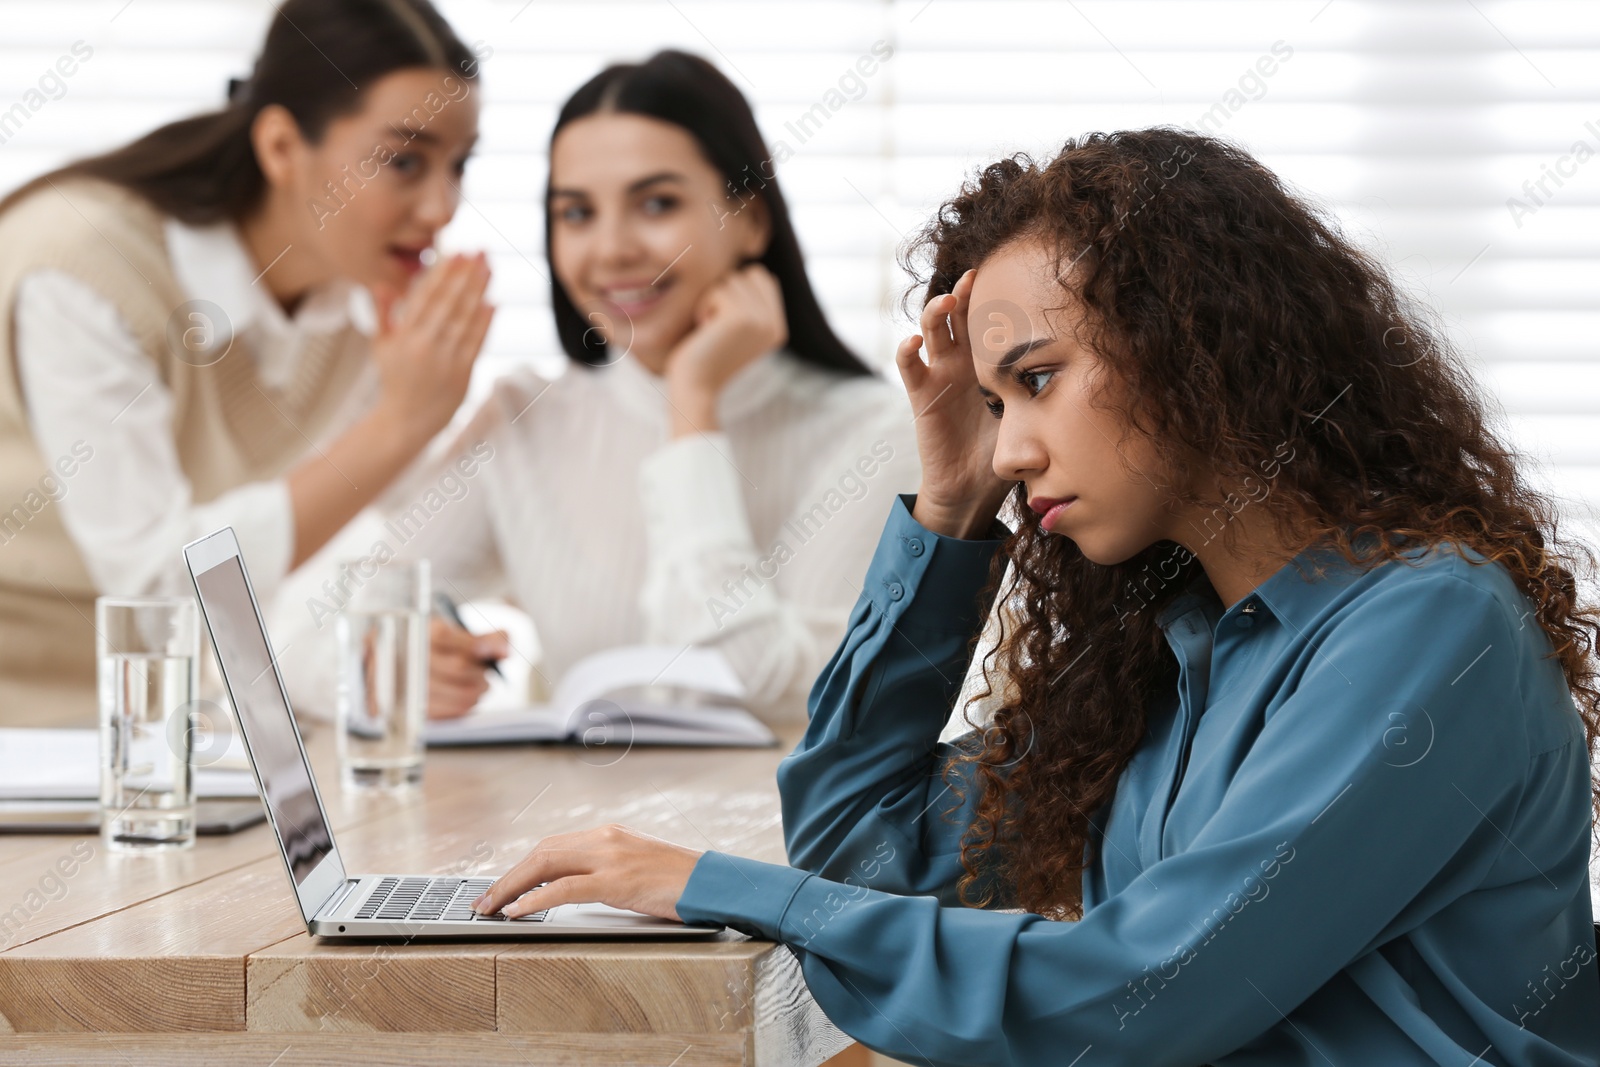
column 227, row 322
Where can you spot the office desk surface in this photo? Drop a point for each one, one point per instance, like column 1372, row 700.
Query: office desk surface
column 200, row 957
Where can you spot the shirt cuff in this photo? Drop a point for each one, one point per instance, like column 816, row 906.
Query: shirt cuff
column 940, row 576
column 748, row 895
column 691, row 495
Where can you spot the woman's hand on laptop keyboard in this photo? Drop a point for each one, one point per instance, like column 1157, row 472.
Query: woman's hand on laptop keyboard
column 610, row 864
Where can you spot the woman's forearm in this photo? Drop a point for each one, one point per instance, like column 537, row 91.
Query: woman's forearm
column 865, row 783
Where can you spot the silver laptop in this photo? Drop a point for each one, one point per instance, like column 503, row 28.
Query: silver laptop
column 333, row 903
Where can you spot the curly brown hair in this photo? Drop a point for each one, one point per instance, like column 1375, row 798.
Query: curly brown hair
column 1240, row 318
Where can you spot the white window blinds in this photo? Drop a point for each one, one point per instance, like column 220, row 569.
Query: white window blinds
column 1461, row 140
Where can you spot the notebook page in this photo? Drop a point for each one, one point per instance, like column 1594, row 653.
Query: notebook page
column 703, row 669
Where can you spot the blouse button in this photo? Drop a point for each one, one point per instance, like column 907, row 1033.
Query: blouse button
column 914, row 546
column 896, row 590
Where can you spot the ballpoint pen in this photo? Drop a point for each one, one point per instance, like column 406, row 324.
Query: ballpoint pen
column 447, row 608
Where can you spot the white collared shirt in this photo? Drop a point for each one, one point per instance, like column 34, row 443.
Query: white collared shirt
column 581, row 508
column 84, row 377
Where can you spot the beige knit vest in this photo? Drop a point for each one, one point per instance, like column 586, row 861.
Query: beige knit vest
column 229, row 429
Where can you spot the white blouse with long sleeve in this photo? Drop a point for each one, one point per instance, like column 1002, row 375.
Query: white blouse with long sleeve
column 85, row 376
column 568, row 497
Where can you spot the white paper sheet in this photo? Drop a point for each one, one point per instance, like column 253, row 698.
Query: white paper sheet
column 50, row 764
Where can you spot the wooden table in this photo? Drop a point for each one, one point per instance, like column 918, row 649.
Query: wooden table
column 200, row 957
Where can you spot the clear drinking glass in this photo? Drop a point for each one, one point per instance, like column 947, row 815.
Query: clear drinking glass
column 383, row 674
column 149, row 677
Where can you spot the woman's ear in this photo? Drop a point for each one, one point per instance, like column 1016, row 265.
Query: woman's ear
column 755, row 218
column 275, row 136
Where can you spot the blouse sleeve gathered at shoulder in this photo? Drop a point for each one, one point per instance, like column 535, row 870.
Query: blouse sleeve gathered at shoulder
column 774, row 605
column 92, row 393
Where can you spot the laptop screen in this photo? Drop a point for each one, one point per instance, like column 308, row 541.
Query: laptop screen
column 264, row 713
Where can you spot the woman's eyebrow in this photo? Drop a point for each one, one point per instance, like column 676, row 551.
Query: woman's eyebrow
column 1022, row 348
column 633, row 187
column 1015, row 353
column 649, row 180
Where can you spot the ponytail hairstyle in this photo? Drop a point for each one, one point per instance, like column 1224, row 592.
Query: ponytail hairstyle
column 690, row 93
column 318, row 57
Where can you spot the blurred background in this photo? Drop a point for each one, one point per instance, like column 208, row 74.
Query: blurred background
column 1454, row 138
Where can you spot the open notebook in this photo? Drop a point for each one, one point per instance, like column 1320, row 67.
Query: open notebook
column 638, row 694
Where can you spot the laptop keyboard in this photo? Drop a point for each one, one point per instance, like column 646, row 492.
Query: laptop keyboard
column 433, row 899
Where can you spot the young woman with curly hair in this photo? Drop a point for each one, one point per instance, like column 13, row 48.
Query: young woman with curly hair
column 1290, row 763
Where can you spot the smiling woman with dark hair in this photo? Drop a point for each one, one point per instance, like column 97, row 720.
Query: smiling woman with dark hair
column 1290, row 759
column 713, row 464
column 686, row 92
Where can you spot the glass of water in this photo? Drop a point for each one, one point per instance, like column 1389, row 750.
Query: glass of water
column 149, row 679
column 383, row 674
